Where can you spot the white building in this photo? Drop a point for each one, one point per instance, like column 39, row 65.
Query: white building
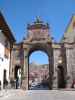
column 6, row 41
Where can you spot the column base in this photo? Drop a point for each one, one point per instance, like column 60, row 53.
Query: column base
column 24, row 84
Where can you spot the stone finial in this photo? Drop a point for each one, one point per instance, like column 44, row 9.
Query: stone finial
column 38, row 19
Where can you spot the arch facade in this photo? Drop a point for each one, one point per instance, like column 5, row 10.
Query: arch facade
column 39, row 38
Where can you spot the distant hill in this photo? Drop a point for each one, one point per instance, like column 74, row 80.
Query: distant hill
column 36, row 66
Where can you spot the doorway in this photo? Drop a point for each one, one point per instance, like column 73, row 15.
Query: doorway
column 61, row 79
column 5, row 82
column 17, row 76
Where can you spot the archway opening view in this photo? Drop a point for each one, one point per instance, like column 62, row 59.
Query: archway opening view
column 38, row 71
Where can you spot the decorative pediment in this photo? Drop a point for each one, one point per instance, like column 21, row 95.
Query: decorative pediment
column 38, row 31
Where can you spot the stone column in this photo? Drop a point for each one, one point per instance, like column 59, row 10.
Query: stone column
column 69, row 67
column 56, row 53
column 50, row 74
column 64, row 63
column 25, row 71
column 55, row 78
column 51, row 68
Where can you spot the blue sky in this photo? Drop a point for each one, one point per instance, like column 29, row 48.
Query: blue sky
column 18, row 13
column 39, row 57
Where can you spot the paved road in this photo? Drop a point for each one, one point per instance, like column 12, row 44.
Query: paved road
column 39, row 87
column 39, row 95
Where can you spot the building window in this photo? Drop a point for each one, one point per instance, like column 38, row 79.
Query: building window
column 6, row 44
column 7, row 49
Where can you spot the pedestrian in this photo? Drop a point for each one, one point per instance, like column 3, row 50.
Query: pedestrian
column 17, row 83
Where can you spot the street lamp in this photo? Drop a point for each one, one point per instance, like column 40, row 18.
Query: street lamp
column 59, row 63
column 60, row 60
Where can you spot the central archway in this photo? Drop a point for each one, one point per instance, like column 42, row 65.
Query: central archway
column 38, row 71
column 46, row 48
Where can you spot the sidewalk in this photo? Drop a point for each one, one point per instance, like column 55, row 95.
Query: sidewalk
column 9, row 92
column 68, row 89
column 65, row 89
column 3, row 92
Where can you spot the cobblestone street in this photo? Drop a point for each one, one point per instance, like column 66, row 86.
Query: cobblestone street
column 38, row 95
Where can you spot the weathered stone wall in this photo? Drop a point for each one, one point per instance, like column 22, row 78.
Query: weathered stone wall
column 70, row 56
column 56, row 55
column 73, row 63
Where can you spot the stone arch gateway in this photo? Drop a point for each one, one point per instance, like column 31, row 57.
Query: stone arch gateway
column 38, row 38
column 48, row 50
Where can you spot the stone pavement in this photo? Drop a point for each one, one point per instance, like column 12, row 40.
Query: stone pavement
column 9, row 92
column 19, row 94
column 3, row 92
